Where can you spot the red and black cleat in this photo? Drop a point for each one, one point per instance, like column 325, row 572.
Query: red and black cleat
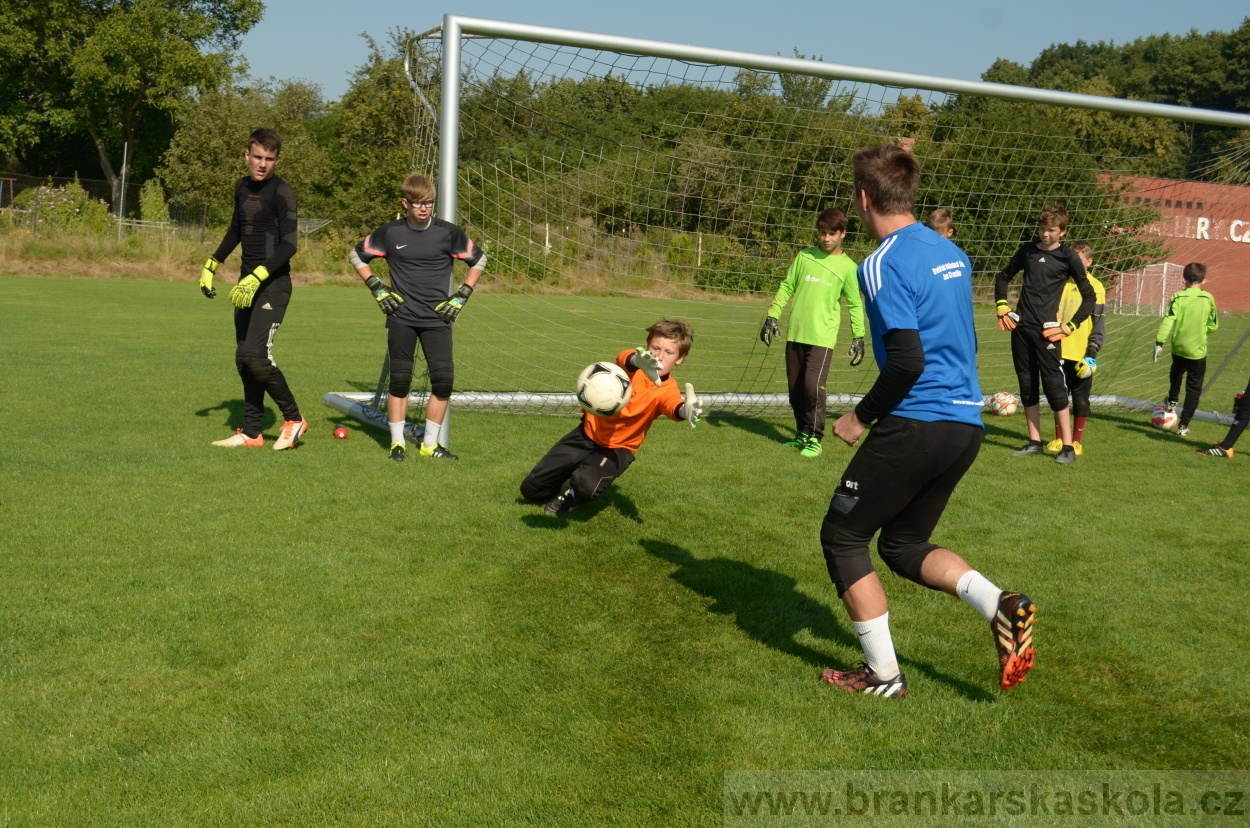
column 1013, row 636
column 863, row 680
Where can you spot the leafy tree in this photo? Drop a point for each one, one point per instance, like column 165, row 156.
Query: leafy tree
column 114, row 70
column 205, row 158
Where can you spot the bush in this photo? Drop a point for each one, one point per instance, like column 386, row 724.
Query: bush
column 152, row 206
column 68, row 208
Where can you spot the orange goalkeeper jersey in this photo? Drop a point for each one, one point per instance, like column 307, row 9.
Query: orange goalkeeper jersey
column 647, row 401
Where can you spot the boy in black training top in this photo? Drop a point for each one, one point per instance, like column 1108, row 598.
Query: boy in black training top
column 1037, row 332
column 265, row 223
column 421, row 251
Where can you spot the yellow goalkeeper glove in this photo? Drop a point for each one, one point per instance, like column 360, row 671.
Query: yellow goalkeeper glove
column 241, row 295
column 206, row 278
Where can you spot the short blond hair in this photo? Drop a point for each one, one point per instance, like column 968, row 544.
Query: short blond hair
column 1083, row 247
column 418, row 188
column 941, row 219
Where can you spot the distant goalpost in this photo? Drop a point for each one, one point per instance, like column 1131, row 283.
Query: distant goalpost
column 613, row 181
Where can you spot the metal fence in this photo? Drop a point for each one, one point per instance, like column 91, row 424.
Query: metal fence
column 186, row 214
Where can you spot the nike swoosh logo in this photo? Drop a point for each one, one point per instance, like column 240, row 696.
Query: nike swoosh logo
column 400, row 246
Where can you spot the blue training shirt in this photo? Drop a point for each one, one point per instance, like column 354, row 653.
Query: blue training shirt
column 918, row 280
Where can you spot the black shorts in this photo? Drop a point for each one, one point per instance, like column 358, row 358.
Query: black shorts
column 898, row 483
column 401, row 345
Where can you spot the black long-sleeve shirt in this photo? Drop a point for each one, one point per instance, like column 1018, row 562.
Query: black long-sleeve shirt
column 265, row 222
column 1045, row 274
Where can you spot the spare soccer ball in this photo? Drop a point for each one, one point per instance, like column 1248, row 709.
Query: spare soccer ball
column 1004, row 403
column 604, row 389
column 1162, row 418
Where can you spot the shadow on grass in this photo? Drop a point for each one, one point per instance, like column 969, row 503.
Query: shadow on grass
column 766, row 606
column 1002, row 437
column 763, row 428
column 612, row 498
column 235, row 411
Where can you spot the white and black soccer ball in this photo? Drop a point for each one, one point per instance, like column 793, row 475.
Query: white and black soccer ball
column 1164, row 418
column 603, row 388
column 1004, row 403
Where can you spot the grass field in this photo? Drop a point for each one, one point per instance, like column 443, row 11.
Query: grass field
column 192, row 636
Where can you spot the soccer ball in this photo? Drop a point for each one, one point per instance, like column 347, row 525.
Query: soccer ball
column 603, row 389
column 1162, row 418
column 1004, row 403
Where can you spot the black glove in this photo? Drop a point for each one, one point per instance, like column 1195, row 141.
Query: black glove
column 449, row 310
column 769, row 330
column 856, row 352
column 387, row 300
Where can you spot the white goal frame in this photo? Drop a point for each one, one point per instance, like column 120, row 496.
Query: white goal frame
column 456, row 28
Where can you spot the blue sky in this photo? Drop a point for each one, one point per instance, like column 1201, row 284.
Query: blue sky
column 318, row 40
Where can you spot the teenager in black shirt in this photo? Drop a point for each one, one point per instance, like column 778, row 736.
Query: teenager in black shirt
column 420, row 251
column 265, row 224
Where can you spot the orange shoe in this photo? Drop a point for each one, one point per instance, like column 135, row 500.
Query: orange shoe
column 1013, row 635
column 241, row 439
column 292, row 431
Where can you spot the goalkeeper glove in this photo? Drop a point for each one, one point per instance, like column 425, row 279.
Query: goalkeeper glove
column 645, row 361
column 387, row 300
column 856, row 353
column 769, row 330
column 206, row 278
column 1055, row 331
column 449, row 310
column 1158, row 350
column 1086, row 367
column 691, row 409
column 1007, row 318
column 241, row 295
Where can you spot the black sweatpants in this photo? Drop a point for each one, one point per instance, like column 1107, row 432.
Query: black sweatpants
column 254, row 331
column 1034, row 358
column 1193, row 371
column 898, row 483
column 577, row 461
column 807, row 372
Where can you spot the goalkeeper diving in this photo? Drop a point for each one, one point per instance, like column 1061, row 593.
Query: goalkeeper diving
column 582, row 465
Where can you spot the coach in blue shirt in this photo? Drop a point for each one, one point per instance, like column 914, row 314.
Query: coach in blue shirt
column 926, row 404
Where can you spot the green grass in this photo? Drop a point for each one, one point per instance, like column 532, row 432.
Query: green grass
column 191, row 636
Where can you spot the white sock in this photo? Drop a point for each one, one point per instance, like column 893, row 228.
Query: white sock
column 397, row 432
column 431, row 433
column 874, row 637
column 975, row 589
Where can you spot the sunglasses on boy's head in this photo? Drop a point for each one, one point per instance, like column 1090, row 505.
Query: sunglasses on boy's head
column 429, row 203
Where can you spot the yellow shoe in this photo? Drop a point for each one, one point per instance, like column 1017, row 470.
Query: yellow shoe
column 241, row 439
column 292, row 431
column 1077, row 448
column 1055, row 446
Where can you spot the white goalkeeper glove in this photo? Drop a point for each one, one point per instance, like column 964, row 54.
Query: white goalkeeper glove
column 691, row 409
column 646, row 362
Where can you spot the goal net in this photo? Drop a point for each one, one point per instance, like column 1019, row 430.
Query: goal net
column 611, row 188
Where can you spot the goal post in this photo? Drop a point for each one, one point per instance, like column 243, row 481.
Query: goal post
column 612, row 181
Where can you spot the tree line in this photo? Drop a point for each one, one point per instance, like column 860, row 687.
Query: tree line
column 77, row 79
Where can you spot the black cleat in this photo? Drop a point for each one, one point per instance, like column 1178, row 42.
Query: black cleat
column 398, row 454
column 1066, row 455
column 561, row 503
column 1031, row 448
